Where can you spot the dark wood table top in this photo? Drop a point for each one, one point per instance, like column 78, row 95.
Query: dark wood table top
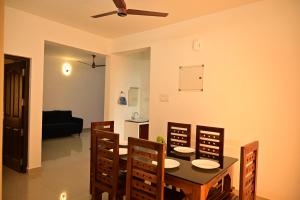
column 194, row 174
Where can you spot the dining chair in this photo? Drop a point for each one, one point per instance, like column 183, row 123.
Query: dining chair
column 145, row 171
column 106, row 166
column 248, row 173
column 210, row 143
column 103, row 125
column 178, row 134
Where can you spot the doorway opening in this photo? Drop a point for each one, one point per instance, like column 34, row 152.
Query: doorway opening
column 132, row 77
column 15, row 119
column 73, row 90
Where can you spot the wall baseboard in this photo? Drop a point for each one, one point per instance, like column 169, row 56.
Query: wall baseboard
column 34, row 171
column 86, row 129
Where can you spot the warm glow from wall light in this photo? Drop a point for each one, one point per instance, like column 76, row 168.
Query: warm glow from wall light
column 67, row 68
column 63, row 196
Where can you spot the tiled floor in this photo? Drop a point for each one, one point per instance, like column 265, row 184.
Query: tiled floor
column 65, row 170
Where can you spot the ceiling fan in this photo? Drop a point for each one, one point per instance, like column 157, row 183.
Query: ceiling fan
column 93, row 65
column 123, row 11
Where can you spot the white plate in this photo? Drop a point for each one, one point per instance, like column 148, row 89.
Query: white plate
column 205, row 164
column 169, row 163
column 124, row 143
column 184, row 149
column 122, row 151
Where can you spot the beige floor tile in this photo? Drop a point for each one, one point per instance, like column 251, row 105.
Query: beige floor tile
column 65, row 169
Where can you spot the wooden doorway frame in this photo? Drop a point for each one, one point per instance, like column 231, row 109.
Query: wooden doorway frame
column 2, row 82
column 26, row 107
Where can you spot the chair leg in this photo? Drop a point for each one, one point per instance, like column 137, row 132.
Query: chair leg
column 94, row 193
column 99, row 196
column 120, row 197
column 111, row 197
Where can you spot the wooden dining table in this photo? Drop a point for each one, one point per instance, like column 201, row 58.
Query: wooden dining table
column 195, row 182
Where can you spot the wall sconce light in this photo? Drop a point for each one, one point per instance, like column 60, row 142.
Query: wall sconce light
column 63, row 196
column 67, row 68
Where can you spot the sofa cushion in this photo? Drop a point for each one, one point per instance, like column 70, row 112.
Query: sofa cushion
column 64, row 116
column 56, row 116
column 49, row 117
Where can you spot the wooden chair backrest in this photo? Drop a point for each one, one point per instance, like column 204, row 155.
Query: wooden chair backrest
column 145, row 180
column 248, row 171
column 106, row 162
column 106, row 126
column 178, row 135
column 210, row 143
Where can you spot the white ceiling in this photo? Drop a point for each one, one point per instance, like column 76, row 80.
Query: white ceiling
column 72, row 54
column 77, row 13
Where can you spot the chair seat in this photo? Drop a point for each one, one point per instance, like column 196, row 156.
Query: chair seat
column 170, row 194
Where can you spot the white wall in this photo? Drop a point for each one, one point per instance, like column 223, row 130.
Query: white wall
column 251, row 84
column 82, row 91
column 127, row 70
column 144, row 92
column 24, row 35
column 144, row 84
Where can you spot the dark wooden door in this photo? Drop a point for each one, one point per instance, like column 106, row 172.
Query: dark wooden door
column 13, row 127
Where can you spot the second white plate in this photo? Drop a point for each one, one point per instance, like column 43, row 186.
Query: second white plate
column 205, row 164
column 169, row 163
column 184, row 149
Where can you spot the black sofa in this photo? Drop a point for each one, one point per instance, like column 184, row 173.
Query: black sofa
column 59, row 123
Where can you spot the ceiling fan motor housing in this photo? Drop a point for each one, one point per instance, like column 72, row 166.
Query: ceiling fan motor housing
column 122, row 12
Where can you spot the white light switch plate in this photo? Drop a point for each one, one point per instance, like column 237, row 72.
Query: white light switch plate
column 196, row 45
column 164, row 98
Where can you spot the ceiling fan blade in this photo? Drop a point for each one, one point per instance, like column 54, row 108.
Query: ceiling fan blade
column 100, row 65
column 120, row 4
column 104, row 14
column 146, row 13
column 85, row 63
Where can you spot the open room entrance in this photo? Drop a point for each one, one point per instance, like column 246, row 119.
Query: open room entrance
column 15, row 122
column 130, row 78
column 73, row 97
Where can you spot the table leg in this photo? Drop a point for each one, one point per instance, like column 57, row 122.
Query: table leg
column 228, row 180
column 203, row 192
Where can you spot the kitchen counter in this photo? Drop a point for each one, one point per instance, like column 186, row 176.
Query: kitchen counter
column 136, row 128
column 137, row 121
